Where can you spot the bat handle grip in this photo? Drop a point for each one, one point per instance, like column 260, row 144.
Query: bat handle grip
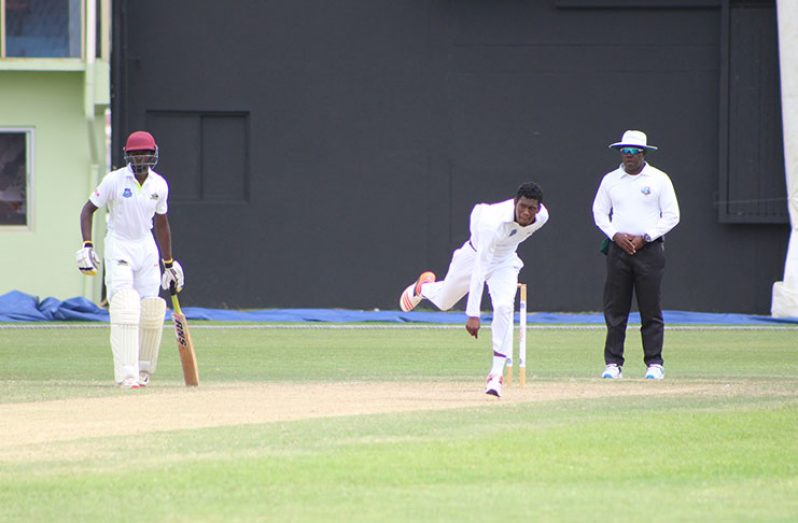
column 175, row 302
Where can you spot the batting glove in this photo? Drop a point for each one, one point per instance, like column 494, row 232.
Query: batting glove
column 172, row 273
column 87, row 259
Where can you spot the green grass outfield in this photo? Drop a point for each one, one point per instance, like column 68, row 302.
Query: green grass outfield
column 717, row 440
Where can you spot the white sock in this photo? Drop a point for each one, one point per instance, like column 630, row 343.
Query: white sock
column 498, row 365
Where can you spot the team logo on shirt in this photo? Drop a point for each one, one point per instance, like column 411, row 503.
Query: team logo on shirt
column 127, row 193
column 154, row 196
column 513, row 232
column 646, row 190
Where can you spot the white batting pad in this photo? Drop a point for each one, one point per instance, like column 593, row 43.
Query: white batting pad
column 150, row 333
column 125, row 312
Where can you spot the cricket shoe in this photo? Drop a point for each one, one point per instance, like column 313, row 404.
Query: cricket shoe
column 494, row 385
column 612, row 372
column 144, row 378
column 655, row 372
column 412, row 295
column 129, row 383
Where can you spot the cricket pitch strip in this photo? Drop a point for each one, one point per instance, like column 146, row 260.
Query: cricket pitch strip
column 28, row 428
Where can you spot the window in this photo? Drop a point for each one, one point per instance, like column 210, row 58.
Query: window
column 15, row 172
column 42, row 28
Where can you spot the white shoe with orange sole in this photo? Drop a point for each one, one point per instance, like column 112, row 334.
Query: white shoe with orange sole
column 128, row 383
column 412, row 295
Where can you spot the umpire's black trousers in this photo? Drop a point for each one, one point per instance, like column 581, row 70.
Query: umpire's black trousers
column 641, row 273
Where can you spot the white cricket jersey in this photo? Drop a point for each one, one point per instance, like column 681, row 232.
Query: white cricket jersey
column 641, row 204
column 495, row 236
column 131, row 206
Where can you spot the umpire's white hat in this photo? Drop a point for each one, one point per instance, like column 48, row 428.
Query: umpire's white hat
column 634, row 139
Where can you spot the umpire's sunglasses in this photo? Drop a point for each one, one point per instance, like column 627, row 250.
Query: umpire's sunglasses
column 631, row 150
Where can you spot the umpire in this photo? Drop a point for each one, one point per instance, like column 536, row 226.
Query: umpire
column 635, row 206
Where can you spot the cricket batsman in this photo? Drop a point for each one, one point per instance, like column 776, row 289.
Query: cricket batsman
column 489, row 256
column 135, row 196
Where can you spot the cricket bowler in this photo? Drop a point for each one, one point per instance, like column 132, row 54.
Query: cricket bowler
column 489, row 256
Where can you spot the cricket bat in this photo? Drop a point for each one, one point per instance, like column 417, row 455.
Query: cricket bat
column 188, row 358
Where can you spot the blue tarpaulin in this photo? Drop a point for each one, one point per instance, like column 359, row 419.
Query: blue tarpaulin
column 17, row 306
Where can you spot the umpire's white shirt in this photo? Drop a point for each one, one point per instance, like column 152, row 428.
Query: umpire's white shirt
column 643, row 204
column 495, row 236
column 131, row 206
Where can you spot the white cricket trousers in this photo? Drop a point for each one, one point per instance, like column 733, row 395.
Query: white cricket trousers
column 502, row 280
column 132, row 264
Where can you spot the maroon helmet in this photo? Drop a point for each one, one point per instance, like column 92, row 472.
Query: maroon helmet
column 137, row 143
